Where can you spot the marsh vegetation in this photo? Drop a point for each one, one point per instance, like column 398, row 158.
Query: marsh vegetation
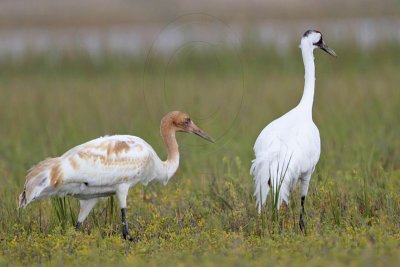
column 206, row 215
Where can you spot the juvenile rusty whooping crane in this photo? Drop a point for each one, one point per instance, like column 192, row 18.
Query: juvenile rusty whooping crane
column 106, row 166
column 288, row 149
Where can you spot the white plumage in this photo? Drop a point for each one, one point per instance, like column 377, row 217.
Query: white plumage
column 107, row 166
column 104, row 164
column 288, row 149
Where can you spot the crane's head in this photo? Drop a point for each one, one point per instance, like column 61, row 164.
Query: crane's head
column 181, row 122
column 314, row 38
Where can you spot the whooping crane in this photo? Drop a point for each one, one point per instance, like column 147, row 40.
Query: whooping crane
column 288, row 148
column 106, row 166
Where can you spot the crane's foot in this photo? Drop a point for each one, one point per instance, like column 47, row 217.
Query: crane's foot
column 127, row 235
column 78, row 226
column 302, row 224
column 125, row 231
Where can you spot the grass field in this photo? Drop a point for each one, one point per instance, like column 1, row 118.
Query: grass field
column 206, row 214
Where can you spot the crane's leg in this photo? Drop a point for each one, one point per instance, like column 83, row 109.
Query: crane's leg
column 86, row 206
column 302, row 215
column 304, row 182
column 122, row 193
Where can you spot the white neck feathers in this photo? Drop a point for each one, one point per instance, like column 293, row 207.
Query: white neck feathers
column 306, row 101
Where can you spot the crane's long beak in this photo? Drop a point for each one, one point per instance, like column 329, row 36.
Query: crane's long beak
column 197, row 131
column 324, row 47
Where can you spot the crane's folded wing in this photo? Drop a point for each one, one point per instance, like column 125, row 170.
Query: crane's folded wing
column 108, row 160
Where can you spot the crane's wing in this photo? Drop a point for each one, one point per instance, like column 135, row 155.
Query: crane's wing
column 271, row 165
column 301, row 144
column 283, row 154
column 105, row 161
column 109, row 160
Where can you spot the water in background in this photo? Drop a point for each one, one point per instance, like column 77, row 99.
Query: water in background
column 139, row 40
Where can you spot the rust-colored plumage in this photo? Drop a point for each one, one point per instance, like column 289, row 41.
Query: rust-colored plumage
column 56, row 175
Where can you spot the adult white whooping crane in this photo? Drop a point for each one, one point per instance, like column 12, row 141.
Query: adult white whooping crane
column 106, row 166
column 288, row 149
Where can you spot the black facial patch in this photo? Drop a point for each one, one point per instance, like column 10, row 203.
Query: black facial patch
column 319, row 43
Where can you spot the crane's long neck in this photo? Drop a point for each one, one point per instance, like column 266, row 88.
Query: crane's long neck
column 168, row 135
column 306, row 101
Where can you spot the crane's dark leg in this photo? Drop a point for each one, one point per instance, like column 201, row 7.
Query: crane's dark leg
column 125, row 231
column 302, row 215
column 122, row 193
column 304, row 182
column 78, row 225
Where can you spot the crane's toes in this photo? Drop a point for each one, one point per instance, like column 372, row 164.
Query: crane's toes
column 78, row 226
column 127, row 236
column 302, row 224
column 130, row 238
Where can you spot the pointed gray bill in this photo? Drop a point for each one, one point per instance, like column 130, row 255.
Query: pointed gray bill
column 328, row 50
column 197, row 131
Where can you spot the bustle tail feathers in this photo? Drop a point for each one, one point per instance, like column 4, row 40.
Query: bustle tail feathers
column 271, row 175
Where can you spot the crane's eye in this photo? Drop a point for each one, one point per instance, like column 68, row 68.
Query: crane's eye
column 187, row 120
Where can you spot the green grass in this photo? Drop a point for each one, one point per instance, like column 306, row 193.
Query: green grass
column 206, row 215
